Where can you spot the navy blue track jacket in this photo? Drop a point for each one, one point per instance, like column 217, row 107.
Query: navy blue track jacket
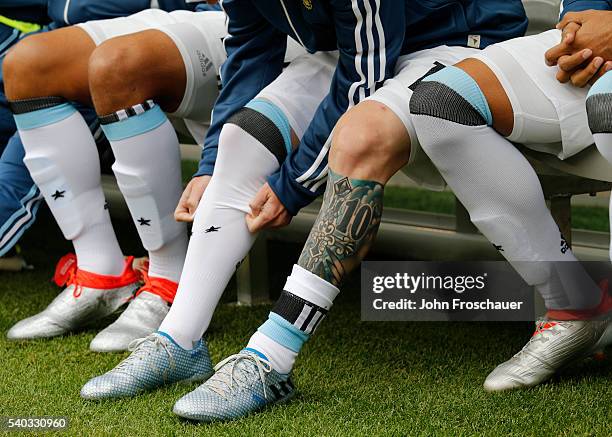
column 583, row 5
column 370, row 35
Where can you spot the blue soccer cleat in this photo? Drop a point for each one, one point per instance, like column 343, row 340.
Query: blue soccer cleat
column 155, row 361
column 243, row 383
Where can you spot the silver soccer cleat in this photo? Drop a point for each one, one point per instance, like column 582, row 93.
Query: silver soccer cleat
column 88, row 297
column 155, row 361
column 141, row 318
column 553, row 345
column 243, row 383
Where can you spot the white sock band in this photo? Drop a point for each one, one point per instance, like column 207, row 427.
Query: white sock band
column 308, row 286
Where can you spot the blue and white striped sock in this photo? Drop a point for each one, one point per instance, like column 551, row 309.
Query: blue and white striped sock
column 303, row 304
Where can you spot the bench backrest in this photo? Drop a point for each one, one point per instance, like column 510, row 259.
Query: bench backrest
column 543, row 14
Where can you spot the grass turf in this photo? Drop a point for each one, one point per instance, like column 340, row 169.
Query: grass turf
column 354, row 378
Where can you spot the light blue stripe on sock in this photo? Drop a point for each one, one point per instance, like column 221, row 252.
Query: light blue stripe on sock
column 276, row 116
column 461, row 82
column 283, row 332
column 43, row 117
column 136, row 125
column 603, row 85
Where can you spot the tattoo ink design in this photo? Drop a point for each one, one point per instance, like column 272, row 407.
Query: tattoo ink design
column 345, row 228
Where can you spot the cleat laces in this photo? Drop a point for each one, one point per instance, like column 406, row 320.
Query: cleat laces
column 142, row 348
column 236, row 369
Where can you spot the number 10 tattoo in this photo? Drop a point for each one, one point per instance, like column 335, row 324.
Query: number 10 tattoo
column 345, row 228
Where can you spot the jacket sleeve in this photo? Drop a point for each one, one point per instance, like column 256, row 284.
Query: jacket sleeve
column 583, row 5
column 255, row 56
column 69, row 12
column 370, row 35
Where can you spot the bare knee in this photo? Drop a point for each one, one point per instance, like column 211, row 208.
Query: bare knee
column 126, row 71
column 24, row 65
column 36, row 68
column 494, row 92
column 369, row 142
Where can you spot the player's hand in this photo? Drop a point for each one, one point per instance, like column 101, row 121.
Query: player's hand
column 267, row 211
column 585, row 30
column 589, row 74
column 568, row 32
column 190, row 199
column 582, row 68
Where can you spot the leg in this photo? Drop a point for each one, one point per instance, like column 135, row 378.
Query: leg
column 515, row 220
column 147, row 162
column 599, row 110
column 369, row 145
column 64, row 71
column 127, row 75
column 56, row 136
column 461, row 114
column 251, row 145
column 351, row 210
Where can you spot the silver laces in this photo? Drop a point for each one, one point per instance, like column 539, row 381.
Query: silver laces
column 228, row 372
column 142, row 348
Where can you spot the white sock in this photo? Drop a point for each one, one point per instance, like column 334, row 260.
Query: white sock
column 305, row 301
column 281, row 358
column 148, row 170
column 220, row 238
column 604, row 145
column 63, row 160
column 599, row 113
column 504, row 198
column 498, row 186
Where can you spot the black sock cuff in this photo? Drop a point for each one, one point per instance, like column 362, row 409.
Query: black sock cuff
column 262, row 129
column 301, row 313
column 124, row 114
column 23, row 106
column 599, row 110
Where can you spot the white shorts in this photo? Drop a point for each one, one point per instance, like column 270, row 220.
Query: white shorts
column 396, row 94
column 567, row 132
column 199, row 38
column 301, row 87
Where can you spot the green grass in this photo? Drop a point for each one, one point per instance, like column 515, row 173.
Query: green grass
column 354, row 378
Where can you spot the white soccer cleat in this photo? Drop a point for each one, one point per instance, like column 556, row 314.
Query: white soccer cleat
column 141, row 318
column 87, row 297
column 553, row 345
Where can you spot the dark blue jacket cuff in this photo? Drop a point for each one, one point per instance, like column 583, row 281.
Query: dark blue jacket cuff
column 291, row 194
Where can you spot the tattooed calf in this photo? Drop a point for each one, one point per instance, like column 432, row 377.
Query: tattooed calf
column 345, row 228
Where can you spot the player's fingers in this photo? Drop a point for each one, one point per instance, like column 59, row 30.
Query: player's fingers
column 192, row 202
column 181, row 210
column 183, row 216
column 281, row 221
column 572, row 62
column 570, row 17
column 603, row 70
column 582, row 77
column 553, row 54
column 564, row 76
column 569, row 32
column 258, row 201
column 255, row 223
